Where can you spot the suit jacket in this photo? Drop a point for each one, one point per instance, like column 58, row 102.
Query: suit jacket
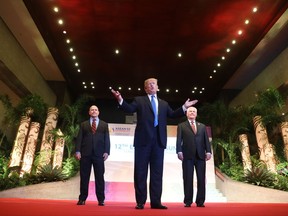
column 145, row 119
column 86, row 140
column 191, row 144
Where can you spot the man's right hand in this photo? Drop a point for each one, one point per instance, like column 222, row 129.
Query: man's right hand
column 117, row 95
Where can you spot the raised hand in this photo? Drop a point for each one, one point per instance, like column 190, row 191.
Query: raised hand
column 117, row 95
column 189, row 103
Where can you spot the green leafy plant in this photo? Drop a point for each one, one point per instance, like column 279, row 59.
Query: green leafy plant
column 49, row 174
column 259, row 174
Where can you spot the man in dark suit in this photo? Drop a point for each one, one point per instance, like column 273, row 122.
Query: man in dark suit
column 193, row 149
column 150, row 140
column 92, row 149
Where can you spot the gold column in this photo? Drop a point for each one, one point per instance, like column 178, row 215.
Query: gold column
column 59, row 150
column 284, row 132
column 47, row 139
column 267, row 153
column 19, row 142
column 30, row 148
column 245, row 152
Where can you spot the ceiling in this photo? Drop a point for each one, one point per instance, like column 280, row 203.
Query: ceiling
column 149, row 35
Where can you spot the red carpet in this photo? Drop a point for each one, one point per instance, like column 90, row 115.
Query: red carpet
column 32, row 207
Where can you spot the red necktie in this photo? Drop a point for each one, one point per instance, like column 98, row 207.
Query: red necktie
column 94, row 126
column 193, row 127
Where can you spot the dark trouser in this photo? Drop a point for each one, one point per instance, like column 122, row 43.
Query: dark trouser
column 151, row 154
column 188, row 174
column 86, row 164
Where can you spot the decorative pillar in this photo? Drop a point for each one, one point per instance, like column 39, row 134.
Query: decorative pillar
column 30, row 148
column 47, row 139
column 266, row 149
column 19, row 142
column 59, row 149
column 245, row 152
column 284, row 132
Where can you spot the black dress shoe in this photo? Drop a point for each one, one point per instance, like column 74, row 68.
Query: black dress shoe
column 187, row 205
column 159, row 207
column 139, row 206
column 101, row 204
column 200, row 205
column 81, row 202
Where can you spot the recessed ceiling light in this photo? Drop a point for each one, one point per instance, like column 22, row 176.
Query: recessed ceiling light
column 68, row 41
column 179, row 55
column 247, row 21
column 255, row 9
column 71, row 49
column 56, row 9
column 60, row 22
column 117, row 51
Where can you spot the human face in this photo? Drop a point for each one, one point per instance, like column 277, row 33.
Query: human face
column 191, row 113
column 151, row 86
column 94, row 111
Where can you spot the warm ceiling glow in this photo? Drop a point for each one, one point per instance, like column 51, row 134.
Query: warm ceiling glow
column 117, row 51
column 68, row 41
column 255, row 9
column 240, row 32
column 64, row 32
column 73, row 57
column 247, row 21
column 79, row 70
column 228, row 50
column 214, row 71
column 60, row 22
column 71, row 49
column 233, row 41
column 76, row 64
column 83, row 83
column 179, row 55
column 56, row 9
column 223, row 57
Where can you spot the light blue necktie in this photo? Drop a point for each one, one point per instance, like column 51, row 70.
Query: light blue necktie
column 154, row 110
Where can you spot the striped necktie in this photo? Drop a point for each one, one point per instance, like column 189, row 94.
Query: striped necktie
column 193, row 127
column 94, row 125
